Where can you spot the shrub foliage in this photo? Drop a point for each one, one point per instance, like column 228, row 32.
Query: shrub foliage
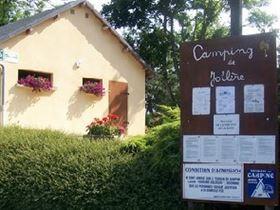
column 43, row 169
column 163, row 114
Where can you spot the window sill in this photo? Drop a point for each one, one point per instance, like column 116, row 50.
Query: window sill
column 90, row 94
column 30, row 88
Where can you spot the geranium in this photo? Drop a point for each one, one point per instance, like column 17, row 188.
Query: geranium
column 95, row 88
column 36, row 83
column 107, row 127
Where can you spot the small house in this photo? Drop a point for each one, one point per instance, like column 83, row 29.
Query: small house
column 64, row 67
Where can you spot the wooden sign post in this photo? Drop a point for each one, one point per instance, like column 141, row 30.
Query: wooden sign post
column 229, row 120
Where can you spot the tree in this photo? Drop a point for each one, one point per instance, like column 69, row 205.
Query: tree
column 257, row 18
column 236, row 17
column 156, row 28
column 12, row 10
column 261, row 20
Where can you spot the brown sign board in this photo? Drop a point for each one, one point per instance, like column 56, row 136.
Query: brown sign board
column 229, row 120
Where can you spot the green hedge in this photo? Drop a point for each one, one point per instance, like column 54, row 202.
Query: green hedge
column 43, row 169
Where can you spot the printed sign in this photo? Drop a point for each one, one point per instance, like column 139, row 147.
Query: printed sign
column 261, row 183
column 229, row 149
column 191, row 147
column 201, row 101
column 225, row 99
column 253, row 98
column 226, row 124
column 9, row 56
column 209, row 149
column 229, row 120
column 265, row 149
column 213, row 182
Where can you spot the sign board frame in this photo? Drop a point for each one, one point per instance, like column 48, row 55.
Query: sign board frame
column 239, row 62
column 8, row 56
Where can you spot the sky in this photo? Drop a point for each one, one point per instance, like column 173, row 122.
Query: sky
column 98, row 3
column 273, row 8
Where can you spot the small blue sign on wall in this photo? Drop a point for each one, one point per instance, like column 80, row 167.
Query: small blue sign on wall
column 261, row 183
column 8, row 56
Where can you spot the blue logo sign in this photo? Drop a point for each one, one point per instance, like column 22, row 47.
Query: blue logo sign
column 261, row 183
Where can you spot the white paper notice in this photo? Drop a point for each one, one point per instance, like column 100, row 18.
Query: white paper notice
column 253, row 98
column 247, row 149
column 265, row 149
column 201, row 101
column 226, row 124
column 209, row 151
column 227, row 149
column 191, row 148
column 225, row 99
column 230, row 149
column 213, row 182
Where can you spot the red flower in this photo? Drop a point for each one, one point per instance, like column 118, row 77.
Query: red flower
column 106, row 120
column 106, row 126
column 113, row 117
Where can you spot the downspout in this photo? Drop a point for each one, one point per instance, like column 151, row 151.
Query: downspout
column 2, row 101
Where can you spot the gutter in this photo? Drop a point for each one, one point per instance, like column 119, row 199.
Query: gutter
column 2, row 101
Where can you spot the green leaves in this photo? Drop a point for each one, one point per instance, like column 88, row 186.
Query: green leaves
column 43, row 169
column 128, row 13
column 12, row 10
column 261, row 20
column 155, row 28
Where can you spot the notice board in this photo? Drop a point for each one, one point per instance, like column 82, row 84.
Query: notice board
column 229, row 120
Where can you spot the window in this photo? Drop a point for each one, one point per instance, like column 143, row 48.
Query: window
column 38, row 81
column 25, row 73
column 92, row 80
column 93, row 86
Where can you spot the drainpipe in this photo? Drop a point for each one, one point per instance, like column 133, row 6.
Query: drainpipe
column 2, row 101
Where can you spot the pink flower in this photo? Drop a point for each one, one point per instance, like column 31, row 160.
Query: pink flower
column 95, row 88
column 121, row 129
column 37, row 83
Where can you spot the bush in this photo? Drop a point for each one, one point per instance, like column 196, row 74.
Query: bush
column 163, row 114
column 166, row 148
column 160, row 153
column 43, row 169
column 134, row 145
column 50, row 170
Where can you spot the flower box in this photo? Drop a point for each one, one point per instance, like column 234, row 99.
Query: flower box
column 25, row 87
column 94, row 88
column 37, row 84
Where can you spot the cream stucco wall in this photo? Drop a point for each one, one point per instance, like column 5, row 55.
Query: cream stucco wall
column 54, row 46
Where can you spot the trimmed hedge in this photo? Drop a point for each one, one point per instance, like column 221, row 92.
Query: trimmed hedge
column 43, row 169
